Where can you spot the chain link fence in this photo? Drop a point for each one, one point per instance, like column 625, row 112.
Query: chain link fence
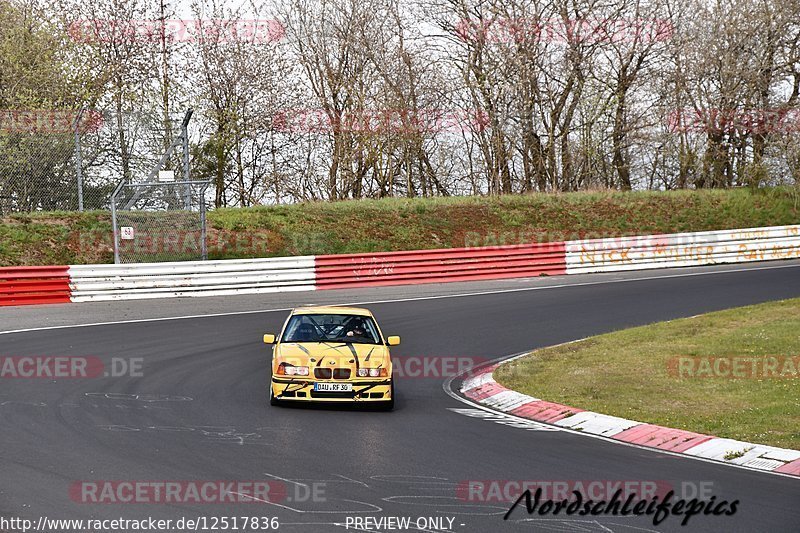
column 156, row 222
column 62, row 160
column 40, row 155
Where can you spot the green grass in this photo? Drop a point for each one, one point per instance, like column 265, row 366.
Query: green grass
column 627, row 374
column 409, row 224
column 56, row 238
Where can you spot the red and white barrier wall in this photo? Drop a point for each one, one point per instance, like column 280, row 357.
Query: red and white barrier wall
column 683, row 249
column 80, row 283
column 439, row 266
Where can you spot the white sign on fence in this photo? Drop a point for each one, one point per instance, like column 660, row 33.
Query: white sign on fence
column 166, row 176
column 127, row 233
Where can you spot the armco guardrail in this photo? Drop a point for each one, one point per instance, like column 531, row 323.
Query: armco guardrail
column 683, row 249
column 439, row 266
column 191, row 278
column 34, row 285
column 30, row 285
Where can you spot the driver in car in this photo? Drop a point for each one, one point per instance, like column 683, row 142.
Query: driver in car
column 356, row 329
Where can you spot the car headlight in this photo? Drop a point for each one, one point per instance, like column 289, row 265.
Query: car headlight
column 372, row 372
column 291, row 370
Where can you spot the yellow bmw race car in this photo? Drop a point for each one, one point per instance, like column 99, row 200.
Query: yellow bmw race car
column 331, row 354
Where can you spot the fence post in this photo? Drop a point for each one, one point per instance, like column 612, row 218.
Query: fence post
column 203, row 222
column 78, row 160
column 187, row 198
column 114, row 219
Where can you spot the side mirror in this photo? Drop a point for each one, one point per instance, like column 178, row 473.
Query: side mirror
column 269, row 338
column 394, row 340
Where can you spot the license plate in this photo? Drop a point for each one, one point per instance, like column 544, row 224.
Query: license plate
column 333, row 387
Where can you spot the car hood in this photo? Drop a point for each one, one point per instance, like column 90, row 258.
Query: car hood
column 339, row 353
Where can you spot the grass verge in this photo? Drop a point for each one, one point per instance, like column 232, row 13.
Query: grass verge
column 406, row 224
column 675, row 374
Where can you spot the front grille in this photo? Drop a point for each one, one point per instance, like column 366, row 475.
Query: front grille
column 341, row 373
column 332, row 373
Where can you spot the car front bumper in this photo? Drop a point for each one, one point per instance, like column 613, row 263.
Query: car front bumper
column 300, row 390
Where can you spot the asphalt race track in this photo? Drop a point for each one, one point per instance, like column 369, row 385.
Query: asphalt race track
column 200, row 412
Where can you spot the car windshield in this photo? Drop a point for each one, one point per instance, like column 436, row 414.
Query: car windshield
column 356, row 329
